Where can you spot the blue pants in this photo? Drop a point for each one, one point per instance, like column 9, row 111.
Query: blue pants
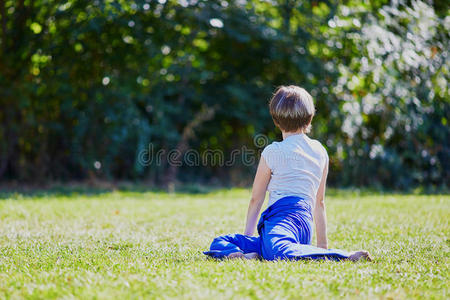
column 285, row 230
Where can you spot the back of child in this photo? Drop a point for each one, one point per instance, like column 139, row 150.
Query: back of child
column 297, row 165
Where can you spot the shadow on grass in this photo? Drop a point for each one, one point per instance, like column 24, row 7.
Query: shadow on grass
column 8, row 191
column 15, row 190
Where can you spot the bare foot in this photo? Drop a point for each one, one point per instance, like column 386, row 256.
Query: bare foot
column 236, row 255
column 251, row 255
column 360, row 255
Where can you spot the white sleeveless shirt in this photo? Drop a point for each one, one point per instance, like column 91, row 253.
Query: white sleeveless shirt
column 297, row 165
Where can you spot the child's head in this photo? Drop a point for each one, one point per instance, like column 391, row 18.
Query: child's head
column 292, row 109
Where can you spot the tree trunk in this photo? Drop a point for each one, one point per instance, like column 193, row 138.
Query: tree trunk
column 188, row 132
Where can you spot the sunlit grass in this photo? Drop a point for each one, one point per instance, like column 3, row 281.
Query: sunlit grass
column 148, row 244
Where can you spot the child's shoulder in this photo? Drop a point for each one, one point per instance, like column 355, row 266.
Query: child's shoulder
column 316, row 144
column 308, row 145
column 273, row 147
column 320, row 149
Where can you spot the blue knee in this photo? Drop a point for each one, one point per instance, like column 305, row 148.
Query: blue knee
column 277, row 248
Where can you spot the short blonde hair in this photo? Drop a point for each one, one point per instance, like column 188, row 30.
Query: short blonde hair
column 292, row 108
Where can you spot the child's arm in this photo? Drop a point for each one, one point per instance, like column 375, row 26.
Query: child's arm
column 260, row 183
column 320, row 216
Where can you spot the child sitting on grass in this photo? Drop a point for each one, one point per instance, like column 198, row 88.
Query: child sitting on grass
column 294, row 171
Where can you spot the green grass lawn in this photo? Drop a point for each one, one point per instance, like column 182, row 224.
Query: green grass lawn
column 148, row 245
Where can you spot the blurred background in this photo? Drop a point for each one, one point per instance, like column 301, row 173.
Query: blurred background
column 86, row 86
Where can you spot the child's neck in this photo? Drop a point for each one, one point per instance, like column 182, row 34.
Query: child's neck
column 286, row 134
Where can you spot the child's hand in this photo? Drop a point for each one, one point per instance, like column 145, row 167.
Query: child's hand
column 324, row 246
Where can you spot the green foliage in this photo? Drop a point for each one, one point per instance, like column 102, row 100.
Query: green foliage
column 148, row 245
column 393, row 86
column 85, row 86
